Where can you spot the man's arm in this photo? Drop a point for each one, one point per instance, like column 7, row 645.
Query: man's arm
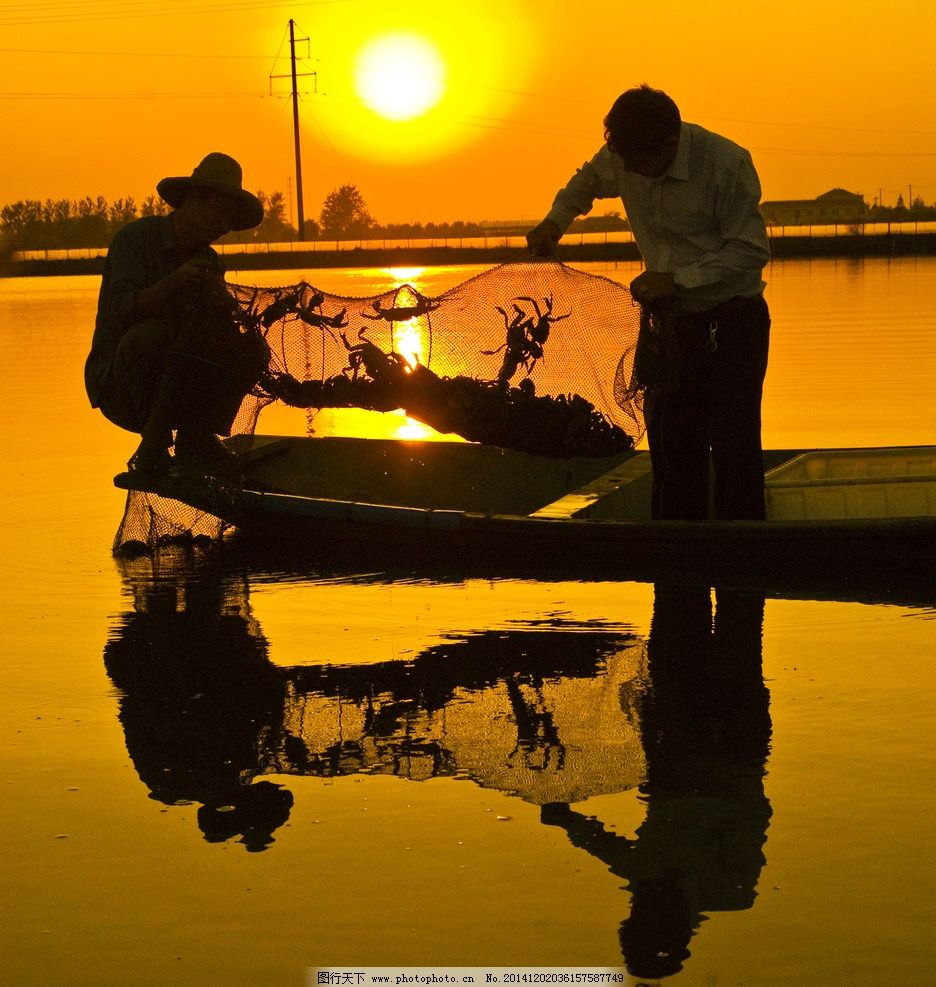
column 125, row 274
column 544, row 238
column 129, row 291
column 594, row 180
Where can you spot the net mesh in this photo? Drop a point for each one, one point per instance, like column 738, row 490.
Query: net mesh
column 532, row 355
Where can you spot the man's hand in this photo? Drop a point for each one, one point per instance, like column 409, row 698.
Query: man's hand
column 543, row 239
column 196, row 273
column 652, row 286
column 196, row 276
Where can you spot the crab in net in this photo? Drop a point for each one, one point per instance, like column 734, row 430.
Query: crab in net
column 526, row 336
column 513, row 312
column 450, row 361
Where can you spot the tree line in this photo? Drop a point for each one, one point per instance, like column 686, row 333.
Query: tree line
column 56, row 224
column 92, row 222
column 902, row 213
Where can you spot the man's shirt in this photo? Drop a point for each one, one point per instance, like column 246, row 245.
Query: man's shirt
column 141, row 254
column 700, row 220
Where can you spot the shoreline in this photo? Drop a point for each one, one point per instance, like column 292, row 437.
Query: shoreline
column 782, row 248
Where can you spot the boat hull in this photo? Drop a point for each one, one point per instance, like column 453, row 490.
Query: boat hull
column 592, row 517
column 897, row 549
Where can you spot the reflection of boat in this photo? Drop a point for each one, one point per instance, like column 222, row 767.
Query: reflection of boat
column 848, row 514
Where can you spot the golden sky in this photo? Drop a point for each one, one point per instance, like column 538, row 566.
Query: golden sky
column 105, row 97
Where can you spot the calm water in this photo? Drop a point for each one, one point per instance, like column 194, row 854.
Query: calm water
column 458, row 771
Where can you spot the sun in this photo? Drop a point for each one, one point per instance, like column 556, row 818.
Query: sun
column 418, row 82
column 400, row 76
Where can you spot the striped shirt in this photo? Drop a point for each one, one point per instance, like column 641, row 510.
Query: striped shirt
column 699, row 220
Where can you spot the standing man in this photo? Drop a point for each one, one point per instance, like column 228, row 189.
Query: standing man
column 692, row 199
column 167, row 355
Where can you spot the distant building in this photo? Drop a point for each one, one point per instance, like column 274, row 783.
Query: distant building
column 607, row 223
column 832, row 207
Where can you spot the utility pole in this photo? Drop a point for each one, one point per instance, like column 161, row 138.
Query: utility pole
column 295, row 102
column 294, row 76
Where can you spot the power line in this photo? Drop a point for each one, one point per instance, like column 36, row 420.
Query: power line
column 493, row 89
column 552, row 97
column 821, row 126
column 816, row 153
column 520, row 125
column 134, row 96
column 125, row 54
column 61, row 13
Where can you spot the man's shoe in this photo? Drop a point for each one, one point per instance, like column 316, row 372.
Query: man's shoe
column 150, row 457
column 206, row 454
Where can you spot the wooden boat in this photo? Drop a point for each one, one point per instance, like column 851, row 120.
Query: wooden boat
column 850, row 514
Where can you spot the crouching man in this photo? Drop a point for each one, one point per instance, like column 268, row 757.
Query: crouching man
column 167, row 355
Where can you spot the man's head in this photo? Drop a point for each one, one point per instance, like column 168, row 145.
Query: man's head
column 214, row 195
column 202, row 216
column 642, row 129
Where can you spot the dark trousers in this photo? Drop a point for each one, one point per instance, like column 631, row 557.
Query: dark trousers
column 712, row 415
column 189, row 380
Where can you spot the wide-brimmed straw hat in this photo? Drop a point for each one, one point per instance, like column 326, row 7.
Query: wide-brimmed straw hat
column 217, row 172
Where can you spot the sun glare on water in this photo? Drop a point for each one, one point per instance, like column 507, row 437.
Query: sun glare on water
column 400, row 76
column 408, row 342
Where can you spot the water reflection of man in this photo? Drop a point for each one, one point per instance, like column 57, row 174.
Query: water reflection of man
column 199, row 697
column 706, row 730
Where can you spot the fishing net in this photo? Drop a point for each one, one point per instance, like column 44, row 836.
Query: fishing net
column 532, row 355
